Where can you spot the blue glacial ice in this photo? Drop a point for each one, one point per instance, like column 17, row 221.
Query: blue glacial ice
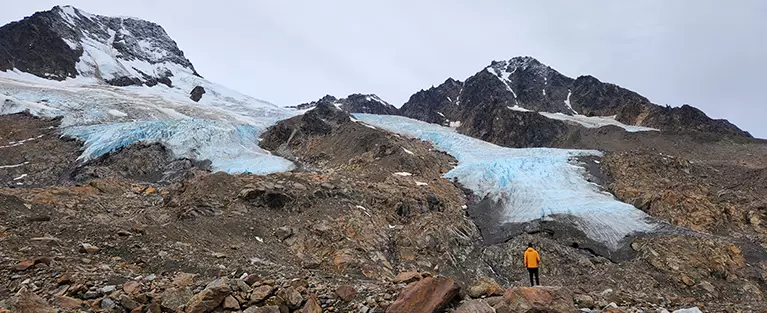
column 531, row 183
column 231, row 148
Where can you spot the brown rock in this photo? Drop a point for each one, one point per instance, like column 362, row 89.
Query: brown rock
column 612, row 309
column 138, row 309
column 64, row 279
column 230, row 303
column 208, row 299
column 584, row 301
column 426, row 296
column 260, row 293
column 132, row 287
column 346, row 293
column 534, row 299
column 264, row 309
column 251, row 279
column 29, row 263
column 485, row 286
column 407, row 277
column 292, row 298
column 88, row 248
column 183, row 279
column 312, row 305
column 26, row 301
column 475, row 306
column 68, row 303
column 128, row 303
column 173, row 298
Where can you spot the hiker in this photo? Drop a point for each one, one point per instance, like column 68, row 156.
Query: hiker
column 532, row 260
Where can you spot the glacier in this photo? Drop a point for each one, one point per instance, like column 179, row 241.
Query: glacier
column 224, row 127
column 531, row 183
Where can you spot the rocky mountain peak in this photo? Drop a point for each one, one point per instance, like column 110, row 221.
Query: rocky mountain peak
column 66, row 42
column 354, row 103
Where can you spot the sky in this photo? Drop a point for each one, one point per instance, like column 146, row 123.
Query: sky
column 709, row 54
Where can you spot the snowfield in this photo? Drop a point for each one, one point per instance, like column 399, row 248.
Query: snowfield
column 531, row 184
column 223, row 127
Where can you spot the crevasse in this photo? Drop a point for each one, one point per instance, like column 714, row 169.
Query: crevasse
column 530, row 183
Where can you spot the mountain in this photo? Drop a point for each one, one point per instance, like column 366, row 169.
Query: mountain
column 514, row 88
column 129, row 183
column 66, row 42
column 116, row 81
column 354, row 103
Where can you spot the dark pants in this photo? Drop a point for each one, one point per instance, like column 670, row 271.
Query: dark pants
column 533, row 273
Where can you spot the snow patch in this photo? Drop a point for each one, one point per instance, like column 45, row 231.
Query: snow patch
column 544, row 92
column 117, row 113
column 516, row 107
column 408, row 151
column 20, row 177
column 595, row 121
column 404, row 174
column 421, row 184
column 13, row 165
column 455, row 124
column 567, row 101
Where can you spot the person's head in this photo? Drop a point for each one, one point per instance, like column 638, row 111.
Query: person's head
column 529, row 244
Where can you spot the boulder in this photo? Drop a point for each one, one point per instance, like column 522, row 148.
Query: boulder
column 197, row 93
column 230, row 303
column 475, row 306
column 209, row 298
column 173, row 298
column 27, row 301
column 690, row 310
column 260, row 293
column 312, row 305
column 426, row 296
column 485, row 286
column 536, row 299
column 65, row 302
column 584, row 301
column 346, row 293
column 291, row 297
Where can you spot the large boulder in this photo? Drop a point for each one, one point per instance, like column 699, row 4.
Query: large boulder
column 426, row 296
column 27, row 301
column 536, row 299
column 485, row 286
column 475, row 306
column 210, row 298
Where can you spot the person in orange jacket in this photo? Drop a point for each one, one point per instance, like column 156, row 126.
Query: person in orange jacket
column 532, row 260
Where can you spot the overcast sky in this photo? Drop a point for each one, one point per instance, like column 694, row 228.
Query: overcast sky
column 710, row 54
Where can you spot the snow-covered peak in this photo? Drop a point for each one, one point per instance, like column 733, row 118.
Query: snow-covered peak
column 119, row 51
column 521, row 64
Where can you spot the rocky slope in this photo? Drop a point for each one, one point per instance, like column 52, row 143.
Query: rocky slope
column 524, row 84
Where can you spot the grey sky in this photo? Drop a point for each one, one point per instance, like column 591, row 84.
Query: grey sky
column 710, row 54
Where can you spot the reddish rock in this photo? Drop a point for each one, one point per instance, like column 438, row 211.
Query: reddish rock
column 68, row 303
column 407, row 277
column 426, row 296
column 251, row 279
column 475, row 306
column 132, row 287
column 534, row 299
column 346, row 293
column 29, row 263
column 312, row 305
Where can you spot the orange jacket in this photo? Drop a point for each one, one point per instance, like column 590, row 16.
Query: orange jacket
column 532, row 258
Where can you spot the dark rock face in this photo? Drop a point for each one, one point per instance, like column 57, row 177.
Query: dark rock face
column 481, row 105
column 50, row 44
column 140, row 162
column 197, row 93
column 354, row 103
column 35, row 45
